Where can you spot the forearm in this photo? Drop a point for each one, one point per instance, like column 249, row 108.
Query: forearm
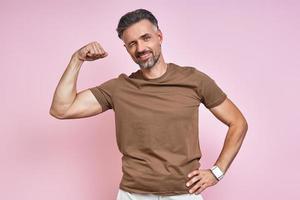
column 233, row 141
column 65, row 92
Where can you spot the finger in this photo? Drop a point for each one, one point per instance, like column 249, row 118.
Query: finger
column 193, row 180
column 103, row 52
column 91, row 51
column 99, row 46
column 96, row 49
column 195, row 188
column 201, row 189
column 193, row 173
column 84, row 50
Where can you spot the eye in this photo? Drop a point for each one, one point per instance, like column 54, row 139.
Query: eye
column 147, row 38
column 131, row 44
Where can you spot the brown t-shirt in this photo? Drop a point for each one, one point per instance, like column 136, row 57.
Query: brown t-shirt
column 157, row 126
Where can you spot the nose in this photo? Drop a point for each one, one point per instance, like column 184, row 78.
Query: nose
column 140, row 47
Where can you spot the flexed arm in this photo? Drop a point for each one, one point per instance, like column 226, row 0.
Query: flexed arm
column 66, row 102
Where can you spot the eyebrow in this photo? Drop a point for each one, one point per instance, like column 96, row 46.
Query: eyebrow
column 142, row 36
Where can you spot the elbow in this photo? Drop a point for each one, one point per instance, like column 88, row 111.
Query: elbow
column 239, row 130
column 242, row 123
column 243, row 126
column 246, row 126
column 56, row 115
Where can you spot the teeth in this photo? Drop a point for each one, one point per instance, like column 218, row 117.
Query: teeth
column 145, row 55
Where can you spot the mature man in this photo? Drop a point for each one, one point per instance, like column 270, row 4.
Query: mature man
column 156, row 114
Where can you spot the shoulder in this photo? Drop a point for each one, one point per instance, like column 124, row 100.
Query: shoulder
column 135, row 74
column 184, row 68
column 190, row 71
column 132, row 75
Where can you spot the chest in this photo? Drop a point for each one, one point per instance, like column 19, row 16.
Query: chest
column 156, row 101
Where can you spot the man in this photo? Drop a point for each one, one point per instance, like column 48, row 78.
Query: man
column 156, row 114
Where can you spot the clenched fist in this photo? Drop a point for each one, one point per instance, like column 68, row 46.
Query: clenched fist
column 90, row 52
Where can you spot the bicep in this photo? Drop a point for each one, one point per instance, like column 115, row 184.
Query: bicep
column 84, row 105
column 227, row 112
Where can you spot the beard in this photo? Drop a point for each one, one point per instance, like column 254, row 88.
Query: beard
column 150, row 62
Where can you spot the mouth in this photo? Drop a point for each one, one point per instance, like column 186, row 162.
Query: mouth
column 144, row 56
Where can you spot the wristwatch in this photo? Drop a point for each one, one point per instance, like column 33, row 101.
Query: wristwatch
column 217, row 172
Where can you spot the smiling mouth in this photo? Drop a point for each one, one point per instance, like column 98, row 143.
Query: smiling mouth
column 144, row 56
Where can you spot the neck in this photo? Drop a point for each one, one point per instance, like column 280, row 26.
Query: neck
column 157, row 70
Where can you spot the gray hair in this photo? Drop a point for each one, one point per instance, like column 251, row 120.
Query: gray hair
column 135, row 16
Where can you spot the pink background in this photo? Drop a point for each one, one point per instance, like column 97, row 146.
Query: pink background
column 251, row 49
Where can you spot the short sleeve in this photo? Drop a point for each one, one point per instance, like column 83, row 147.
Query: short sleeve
column 210, row 93
column 104, row 93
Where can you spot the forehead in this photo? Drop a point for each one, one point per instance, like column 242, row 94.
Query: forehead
column 138, row 29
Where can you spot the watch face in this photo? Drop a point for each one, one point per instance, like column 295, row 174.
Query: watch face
column 217, row 172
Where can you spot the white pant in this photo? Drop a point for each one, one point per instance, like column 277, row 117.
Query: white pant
column 123, row 195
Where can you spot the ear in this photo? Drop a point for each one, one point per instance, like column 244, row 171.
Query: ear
column 124, row 44
column 160, row 35
column 125, row 47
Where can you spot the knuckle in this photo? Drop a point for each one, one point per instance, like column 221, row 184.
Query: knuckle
column 98, row 44
column 198, row 184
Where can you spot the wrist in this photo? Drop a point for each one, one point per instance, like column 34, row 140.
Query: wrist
column 76, row 58
column 217, row 172
column 75, row 63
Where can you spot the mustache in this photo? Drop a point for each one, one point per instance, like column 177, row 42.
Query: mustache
column 143, row 52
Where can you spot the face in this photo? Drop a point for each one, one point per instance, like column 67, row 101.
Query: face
column 143, row 41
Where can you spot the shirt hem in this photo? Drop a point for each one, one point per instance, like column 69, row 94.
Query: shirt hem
column 163, row 193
